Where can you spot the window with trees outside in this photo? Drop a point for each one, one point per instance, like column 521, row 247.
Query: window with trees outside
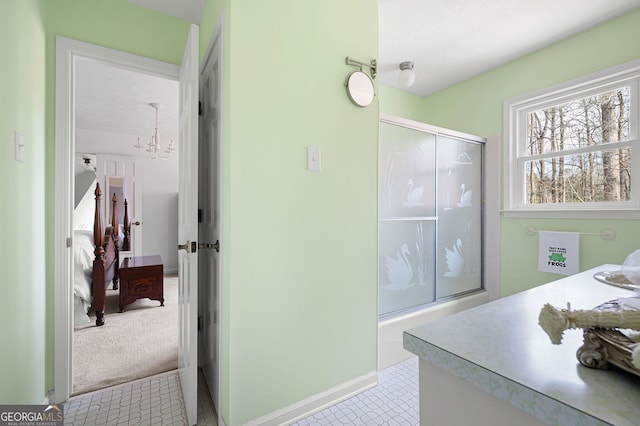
column 575, row 148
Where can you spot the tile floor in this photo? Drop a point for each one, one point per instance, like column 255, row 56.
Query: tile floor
column 157, row 400
column 393, row 402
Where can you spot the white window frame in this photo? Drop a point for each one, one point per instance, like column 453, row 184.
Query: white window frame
column 515, row 131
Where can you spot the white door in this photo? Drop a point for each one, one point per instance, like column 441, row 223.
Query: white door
column 125, row 167
column 210, row 259
column 188, row 227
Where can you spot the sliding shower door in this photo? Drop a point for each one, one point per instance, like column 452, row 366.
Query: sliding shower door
column 407, row 218
column 459, row 262
column 430, row 220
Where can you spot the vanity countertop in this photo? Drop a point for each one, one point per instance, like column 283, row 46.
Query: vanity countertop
column 500, row 348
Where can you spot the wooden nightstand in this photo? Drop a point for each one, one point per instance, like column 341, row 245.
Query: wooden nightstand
column 141, row 277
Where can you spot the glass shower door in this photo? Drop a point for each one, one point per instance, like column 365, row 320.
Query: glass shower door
column 459, row 217
column 406, row 218
column 429, row 217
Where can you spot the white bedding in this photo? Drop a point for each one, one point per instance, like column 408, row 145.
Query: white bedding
column 83, row 257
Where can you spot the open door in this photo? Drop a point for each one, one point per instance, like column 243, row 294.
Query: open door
column 118, row 173
column 210, row 259
column 188, row 227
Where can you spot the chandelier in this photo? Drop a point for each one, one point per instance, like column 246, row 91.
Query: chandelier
column 153, row 147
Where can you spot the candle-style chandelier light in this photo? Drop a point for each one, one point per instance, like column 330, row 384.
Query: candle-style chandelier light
column 153, row 147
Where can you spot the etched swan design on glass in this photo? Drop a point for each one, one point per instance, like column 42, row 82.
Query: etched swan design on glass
column 455, row 259
column 414, row 195
column 465, row 196
column 399, row 270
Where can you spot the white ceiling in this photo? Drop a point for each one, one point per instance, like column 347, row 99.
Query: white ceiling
column 114, row 100
column 448, row 40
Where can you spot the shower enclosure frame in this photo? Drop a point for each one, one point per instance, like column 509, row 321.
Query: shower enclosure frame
column 396, row 272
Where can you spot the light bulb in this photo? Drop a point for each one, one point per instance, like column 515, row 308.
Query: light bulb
column 407, row 76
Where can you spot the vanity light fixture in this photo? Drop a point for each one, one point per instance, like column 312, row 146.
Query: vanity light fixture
column 407, row 76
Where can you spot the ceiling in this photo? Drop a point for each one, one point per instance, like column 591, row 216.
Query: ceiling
column 113, row 100
column 448, row 40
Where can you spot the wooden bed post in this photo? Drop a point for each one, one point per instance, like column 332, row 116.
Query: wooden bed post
column 114, row 215
column 98, row 263
column 126, row 243
column 115, row 231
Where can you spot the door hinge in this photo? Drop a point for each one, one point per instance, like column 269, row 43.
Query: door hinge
column 68, row 242
column 199, row 215
column 200, row 325
column 200, row 108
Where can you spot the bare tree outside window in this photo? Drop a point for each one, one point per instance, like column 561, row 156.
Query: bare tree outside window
column 571, row 153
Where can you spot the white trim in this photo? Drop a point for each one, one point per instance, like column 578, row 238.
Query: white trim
column 417, row 125
column 514, row 113
column 216, row 44
column 617, row 214
column 318, row 402
column 63, row 258
column 491, row 216
column 66, row 52
column 48, row 398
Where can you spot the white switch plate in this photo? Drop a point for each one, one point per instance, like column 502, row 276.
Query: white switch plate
column 19, row 146
column 313, row 158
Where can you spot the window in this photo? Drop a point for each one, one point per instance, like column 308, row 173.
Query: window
column 575, row 148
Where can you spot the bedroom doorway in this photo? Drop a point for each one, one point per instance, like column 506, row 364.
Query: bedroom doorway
column 68, row 53
column 111, row 117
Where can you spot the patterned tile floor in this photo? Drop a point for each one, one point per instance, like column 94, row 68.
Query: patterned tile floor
column 157, row 400
column 153, row 401
column 393, row 402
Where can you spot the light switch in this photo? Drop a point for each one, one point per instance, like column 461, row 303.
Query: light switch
column 313, row 158
column 19, row 146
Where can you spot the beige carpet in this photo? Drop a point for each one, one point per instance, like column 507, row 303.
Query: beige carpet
column 140, row 342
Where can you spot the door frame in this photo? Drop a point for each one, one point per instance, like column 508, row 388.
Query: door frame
column 216, row 47
column 67, row 50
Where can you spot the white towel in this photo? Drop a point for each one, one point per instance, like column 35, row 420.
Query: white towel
column 558, row 252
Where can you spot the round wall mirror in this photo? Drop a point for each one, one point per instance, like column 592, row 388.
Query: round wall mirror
column 360, row 89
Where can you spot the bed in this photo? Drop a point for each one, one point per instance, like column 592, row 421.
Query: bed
column 97, row 260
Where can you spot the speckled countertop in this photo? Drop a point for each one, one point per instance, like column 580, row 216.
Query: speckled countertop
column 500, row 348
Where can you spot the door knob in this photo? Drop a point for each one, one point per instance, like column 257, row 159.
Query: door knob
column 137, row 223
column 189, row 246
column 215, row 246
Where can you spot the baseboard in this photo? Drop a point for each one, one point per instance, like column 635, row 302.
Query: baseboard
column 318, row 402
column 48, row 398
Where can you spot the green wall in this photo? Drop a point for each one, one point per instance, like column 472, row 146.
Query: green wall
column 299, row 281
column 401, row 104
column 22, row 253
column 476, row 106
column 300, row 271
column 115, row 24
